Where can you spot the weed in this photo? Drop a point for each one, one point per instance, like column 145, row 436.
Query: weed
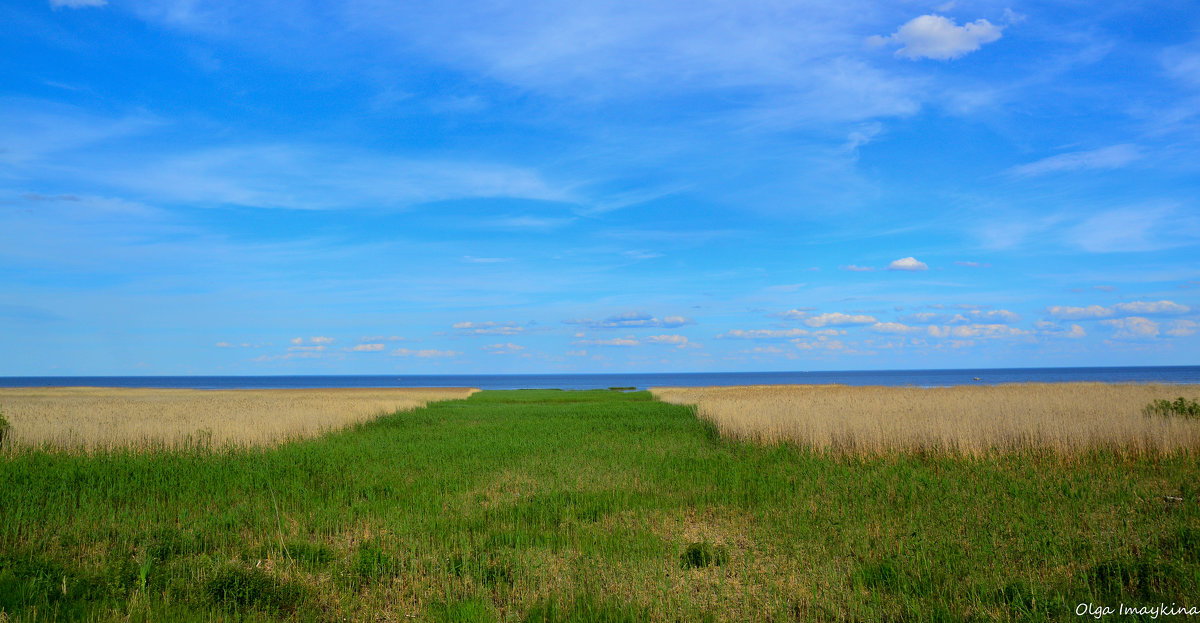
column 703, row 555
column 241, row 588
column 1180, row 407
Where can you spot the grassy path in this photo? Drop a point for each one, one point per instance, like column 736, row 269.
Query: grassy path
column 556, row 506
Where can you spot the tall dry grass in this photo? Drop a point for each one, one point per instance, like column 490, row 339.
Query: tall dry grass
column 972, row 420
column 90, row 418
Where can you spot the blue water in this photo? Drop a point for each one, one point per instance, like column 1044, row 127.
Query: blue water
column 920, row 378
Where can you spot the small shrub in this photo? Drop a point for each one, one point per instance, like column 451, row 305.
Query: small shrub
column 1180, row 407
column 702, row 555
column 4, row 428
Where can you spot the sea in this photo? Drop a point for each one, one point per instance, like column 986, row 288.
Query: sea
column 901, row 378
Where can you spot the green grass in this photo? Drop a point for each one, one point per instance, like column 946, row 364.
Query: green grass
column 586, row 506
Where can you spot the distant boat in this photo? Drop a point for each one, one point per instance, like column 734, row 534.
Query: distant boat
column 976, row 379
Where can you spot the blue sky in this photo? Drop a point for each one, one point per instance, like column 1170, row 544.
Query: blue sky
column 357, row 187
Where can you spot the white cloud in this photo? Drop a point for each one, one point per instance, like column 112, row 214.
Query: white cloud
column 857, row 269
column 838, row 318
column 935, row 317
column 1113, row 157
column 368, row 347
column 1141, row 228
column 633, row 320
column 1092, row 312
column 76, row 4
column 679, row 341
column 819, row 345
column 975, row 330
column 1148, row 307
column 488, row 328
column 1045, row 327
column 995, row 315
column 616, row 341
column 762, row 334
column 908, row 263
column 893, row 327
column 312, row 177
column 321, row 340
column 425, row 353
column 970, row 264
column 937, row 37
column 1133, row 328
column 1181, row 328
column 793, row 314
column 502, row 349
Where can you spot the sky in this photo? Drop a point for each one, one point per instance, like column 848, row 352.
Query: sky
column 370, row 187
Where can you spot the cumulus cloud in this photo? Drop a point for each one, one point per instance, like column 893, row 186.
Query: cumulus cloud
column 633, row 320
column 1133, row 328
column 502, row 349
column 838, row 318
column 909, row 264
column 1113, row 157
column 488, row 328
column 939, row 38
column 857, row 269
column 368, row 347
column 427, row 353
column 762, row 334
column 1093, row 312
column 1045, row 327
column 678, row 341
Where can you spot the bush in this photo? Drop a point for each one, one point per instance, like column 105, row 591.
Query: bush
column 1180, row 407
column 4, row 428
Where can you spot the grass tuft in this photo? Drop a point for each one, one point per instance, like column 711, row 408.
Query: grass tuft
column 703, row 555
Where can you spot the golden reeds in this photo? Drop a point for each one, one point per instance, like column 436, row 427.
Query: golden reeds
column 88, row 418
column 972, row 420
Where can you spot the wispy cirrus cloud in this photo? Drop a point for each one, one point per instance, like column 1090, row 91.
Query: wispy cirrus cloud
column 616, row 341
column 633, row 320
column 762, row 334
column 427, row 353
column 488, row 328
column 1111, row 157
column 507, row 348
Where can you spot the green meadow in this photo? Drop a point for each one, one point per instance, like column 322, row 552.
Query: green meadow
column 587, row 506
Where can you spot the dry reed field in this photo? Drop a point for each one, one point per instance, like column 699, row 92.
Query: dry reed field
column 89, row 418
column 972, row 420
